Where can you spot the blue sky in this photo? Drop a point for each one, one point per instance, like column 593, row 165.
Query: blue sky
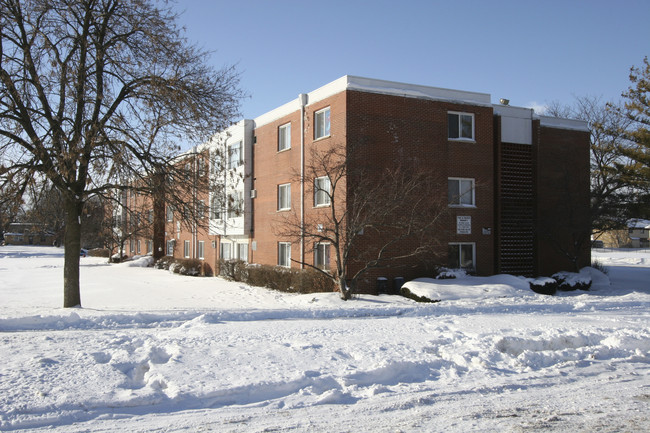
column 531, row 52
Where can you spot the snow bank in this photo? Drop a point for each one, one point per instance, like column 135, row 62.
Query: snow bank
column 467, row 287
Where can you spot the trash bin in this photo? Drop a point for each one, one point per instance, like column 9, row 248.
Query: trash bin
column 398, row 282
column 382, row 285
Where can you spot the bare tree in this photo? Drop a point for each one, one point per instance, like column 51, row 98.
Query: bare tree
column 93, row 92
column 368, row 218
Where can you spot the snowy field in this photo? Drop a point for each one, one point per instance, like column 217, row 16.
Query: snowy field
column 157, row 352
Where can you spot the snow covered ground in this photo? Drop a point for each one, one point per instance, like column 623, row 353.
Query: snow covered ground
column 157, row 352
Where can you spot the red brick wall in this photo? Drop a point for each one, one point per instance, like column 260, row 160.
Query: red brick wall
column 273, row 168
column 563, row 199
column 414, row 131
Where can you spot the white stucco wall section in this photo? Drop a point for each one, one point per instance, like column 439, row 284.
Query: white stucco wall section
column 516, row 124
column 236, row 179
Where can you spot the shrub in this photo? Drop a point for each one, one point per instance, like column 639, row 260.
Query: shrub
column 408, row 294
column 569, row 281
column 192, row 267
column 285, row 280
column 99, row 252
column 163, row 262
column 235, row 270
column 599, row 267
column 544, row 286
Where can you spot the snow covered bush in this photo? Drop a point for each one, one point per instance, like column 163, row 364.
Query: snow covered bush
column 447, row 274
column 544, row 285
column 568, row 281
column 192, row 267
column 408, row 294
column 163, row 262
column 235, row 270
column 600, row 267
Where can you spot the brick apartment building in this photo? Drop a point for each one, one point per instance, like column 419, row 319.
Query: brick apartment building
column 523, row 178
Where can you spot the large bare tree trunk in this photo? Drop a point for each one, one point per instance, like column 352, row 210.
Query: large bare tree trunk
column 71, row 293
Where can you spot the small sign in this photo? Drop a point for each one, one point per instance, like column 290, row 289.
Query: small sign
column 487, row 230
column 464, row 225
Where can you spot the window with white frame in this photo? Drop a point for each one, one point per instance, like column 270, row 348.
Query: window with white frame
column 235, row 204
column 201, row 209
column 284, row 137
column 170, row 247
column 149, row 246
column 215, row 209
column 234, row 155
column 462, row 255
column 322, row 191
column 200, row 166
column 242, row 252
column 460, row 126
column 150, row 216
column 284, row 254
column 139, row 246
column 132, row 245
column 224, row 251
column 170, row 213
column 284, row 196
column 322, row 123
column 201, row 249
column 186, row 249
column 460, row 192
column 322, row 256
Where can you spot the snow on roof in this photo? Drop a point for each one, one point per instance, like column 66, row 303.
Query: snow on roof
column 557, row 122
column 637, row 223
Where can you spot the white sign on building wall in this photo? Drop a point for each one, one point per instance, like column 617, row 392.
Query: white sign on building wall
column 464, row 225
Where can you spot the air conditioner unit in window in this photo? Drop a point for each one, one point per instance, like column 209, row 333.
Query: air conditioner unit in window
column 253, row 193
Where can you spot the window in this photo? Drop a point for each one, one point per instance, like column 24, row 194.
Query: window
column 234, row 155
column 284, row 137
column 224, row 251
column 139, row 245
column 235, row 204
column 461, row 255
column 284, row 254
column 150, row 216
column 170, row 247
column 188, row 171
column 460, row 126
column 201, row 167
column 132, row 246
column 201, row 249
column 186, row 249
column 322, row 190
column 170, row 213
column 460, row 192
column 242, row 252
column 149, row 247
column 201, row 209
column 322, row 123
column 215, row 208
column 284, row 196
column 322, row 256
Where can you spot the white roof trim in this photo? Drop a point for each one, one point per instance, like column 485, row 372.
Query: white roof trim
column 371, row 85
column 556, row 122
